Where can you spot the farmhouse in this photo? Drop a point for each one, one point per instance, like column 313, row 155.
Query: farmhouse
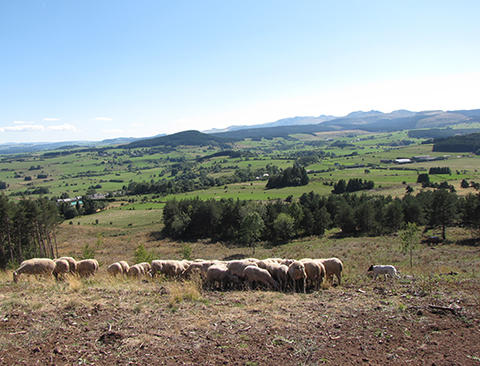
column 402, row 161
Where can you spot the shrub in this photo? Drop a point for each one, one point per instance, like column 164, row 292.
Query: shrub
column 143, row 255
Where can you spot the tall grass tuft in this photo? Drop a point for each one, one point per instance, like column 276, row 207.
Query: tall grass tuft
column 185, row 291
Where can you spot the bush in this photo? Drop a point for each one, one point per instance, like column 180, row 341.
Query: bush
column 143, row 255
column 87, row 252
column 187, row 252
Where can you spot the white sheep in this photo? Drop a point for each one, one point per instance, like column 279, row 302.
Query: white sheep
column 87, row 267
column 333, row 266
column 279, row 272
column 385, row 270
column 136, row 271
column 115, row 269
column 315, row 273
column 125, row 266
column 254, row 274
column 173, row 268
column 157, row 266
column 296, row 272
column 62, row 267
column 35, row 266
column 146, row 267
column 219, row 276
column 197, row 267
column 236, row 267
column 72, row 263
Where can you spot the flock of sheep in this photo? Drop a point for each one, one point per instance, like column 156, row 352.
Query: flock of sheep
column 272, row 273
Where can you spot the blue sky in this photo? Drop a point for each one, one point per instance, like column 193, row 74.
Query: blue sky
column 74, row 70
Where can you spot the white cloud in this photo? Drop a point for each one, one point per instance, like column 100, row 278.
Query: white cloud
column 103, row 119
column 51, row 119
column 21, row 122
column 64, row 127
column 22, row 128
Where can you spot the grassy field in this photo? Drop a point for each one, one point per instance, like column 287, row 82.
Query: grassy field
column 111, row 170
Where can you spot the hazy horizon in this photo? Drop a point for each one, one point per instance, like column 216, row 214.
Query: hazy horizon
column 99, row 70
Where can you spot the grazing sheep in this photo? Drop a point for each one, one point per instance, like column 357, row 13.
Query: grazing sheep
column 157, row 266
column 279, row 272
column 333, row 266
column 386, row 270
column 265, row 263
column 315, row 273
column 237, row 267
column 125, row 266
column 146, row 267
column 296, row 272
column 170, row 268
column 173, row 268
column 72, row 263
column 197, row 267
column 115, row 269
column 35, row 266
column 87, row 267
column 219, row 276
column 254, row 274
column 136, row 271
column 61, row 268
column 287, row 262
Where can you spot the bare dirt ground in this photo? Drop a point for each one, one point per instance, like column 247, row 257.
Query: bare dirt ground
column 423, row 321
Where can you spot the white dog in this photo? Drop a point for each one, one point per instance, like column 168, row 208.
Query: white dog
column 386, row 270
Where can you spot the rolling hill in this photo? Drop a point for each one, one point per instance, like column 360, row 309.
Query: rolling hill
column 191, row 137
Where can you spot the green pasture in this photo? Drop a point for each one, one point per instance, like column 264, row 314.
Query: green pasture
column 120, row 218
column 75, row 173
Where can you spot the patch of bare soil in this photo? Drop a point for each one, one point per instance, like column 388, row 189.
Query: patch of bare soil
column 380, row 324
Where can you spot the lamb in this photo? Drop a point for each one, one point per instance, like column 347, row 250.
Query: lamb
column 35, row 266
column 114, row 269
column 219, row 274
column 87, row 267
column 61, row 268
column 386, row 270
column 333, row 266
column 315, row 273
column 254, row 274
column 72, row 263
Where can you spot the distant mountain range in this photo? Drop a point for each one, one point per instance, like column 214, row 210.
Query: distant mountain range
column 293, row 121
column 372, row 121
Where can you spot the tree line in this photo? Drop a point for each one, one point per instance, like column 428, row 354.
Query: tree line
column 290, row 177
column 27, row 229
column 245, row 222
column 353, row 185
